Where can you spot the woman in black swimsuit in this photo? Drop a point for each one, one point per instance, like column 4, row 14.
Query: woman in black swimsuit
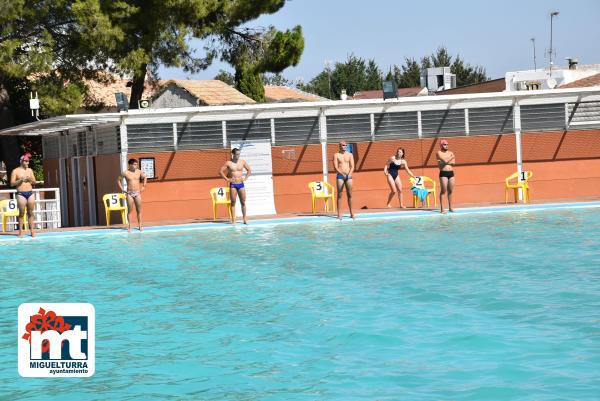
column 392, row 170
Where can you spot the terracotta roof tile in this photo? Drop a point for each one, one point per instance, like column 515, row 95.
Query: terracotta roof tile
column 275, row 93
column 211, row 92
column 102, row 94
column 593, row 80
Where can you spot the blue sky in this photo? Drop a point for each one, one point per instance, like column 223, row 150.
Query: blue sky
column 494, row 34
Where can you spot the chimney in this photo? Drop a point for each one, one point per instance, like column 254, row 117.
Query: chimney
column 572, row 63
column 343, row 95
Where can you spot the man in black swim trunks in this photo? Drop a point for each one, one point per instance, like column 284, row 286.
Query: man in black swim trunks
column 23, row 179
column 446, row 161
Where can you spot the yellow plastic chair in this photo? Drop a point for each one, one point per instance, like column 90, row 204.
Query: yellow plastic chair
column 427, row 183
column 9, row 208
column 220, row 196
column 523, row 184
column 115, row 203
column 322, row 190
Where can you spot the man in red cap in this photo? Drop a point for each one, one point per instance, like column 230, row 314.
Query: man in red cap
column 343, row 163
column 23, row 179
column 446, row 161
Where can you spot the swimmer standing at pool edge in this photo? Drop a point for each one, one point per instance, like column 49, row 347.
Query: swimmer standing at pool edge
column 343, row 163
column 235, row 177
column 446, row 162
column 23, row 179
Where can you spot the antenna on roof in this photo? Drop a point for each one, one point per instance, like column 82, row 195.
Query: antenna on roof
column 552, row 15
column 534, row 60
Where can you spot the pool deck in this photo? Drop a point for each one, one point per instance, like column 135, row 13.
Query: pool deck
column 257, row 221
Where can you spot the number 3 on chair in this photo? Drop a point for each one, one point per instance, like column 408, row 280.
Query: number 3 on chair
column 318, row 186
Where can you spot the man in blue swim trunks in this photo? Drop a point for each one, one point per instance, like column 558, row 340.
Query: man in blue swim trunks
column 343, row 163
column 233, row 172
column 23, row 179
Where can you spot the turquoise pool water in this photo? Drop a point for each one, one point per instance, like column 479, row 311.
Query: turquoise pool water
column 483, row 307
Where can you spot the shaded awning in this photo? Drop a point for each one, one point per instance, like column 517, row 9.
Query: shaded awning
column 62, row 123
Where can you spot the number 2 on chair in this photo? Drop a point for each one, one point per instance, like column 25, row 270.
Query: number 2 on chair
column 418, row 181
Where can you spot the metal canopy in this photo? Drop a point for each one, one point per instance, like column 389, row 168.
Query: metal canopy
column 62, row 123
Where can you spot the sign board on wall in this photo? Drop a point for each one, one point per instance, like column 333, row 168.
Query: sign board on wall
column 259, row 187
column 147, row 165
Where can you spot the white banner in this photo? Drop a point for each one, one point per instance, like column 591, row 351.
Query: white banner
column 259, row 187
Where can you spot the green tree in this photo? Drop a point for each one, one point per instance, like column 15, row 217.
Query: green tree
column 467, row 74
column 410, row 75
column 74, row 39
column 255, row 52
column 353, row 75
column 441, row 58
column 51, row 47
column 373, row 76
column 319, row 85
column 275, row 79
column 226, row 77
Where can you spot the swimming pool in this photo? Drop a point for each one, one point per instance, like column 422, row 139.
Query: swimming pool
column 469, row 307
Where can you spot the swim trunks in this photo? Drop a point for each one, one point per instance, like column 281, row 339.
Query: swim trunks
column 134, row 194
column 447, row 174
column 25, row 194
column 344, row 178
column 238, row 185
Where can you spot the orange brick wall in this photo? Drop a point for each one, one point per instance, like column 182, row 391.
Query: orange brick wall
column 565, row 166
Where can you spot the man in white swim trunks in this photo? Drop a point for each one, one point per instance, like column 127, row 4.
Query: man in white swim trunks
column 133, row 176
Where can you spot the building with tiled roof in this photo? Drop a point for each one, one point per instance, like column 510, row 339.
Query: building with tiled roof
column 190, row 93
column 593, row 80
column 285, row 94
column 402, row 92
column 101, row 94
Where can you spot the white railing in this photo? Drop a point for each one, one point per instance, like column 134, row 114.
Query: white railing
column 46, row 211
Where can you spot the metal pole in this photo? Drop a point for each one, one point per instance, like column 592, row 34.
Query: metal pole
column 517, row 127
column 124, row 147
column 323, row 139
column 534, row 59
column 552, row 15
